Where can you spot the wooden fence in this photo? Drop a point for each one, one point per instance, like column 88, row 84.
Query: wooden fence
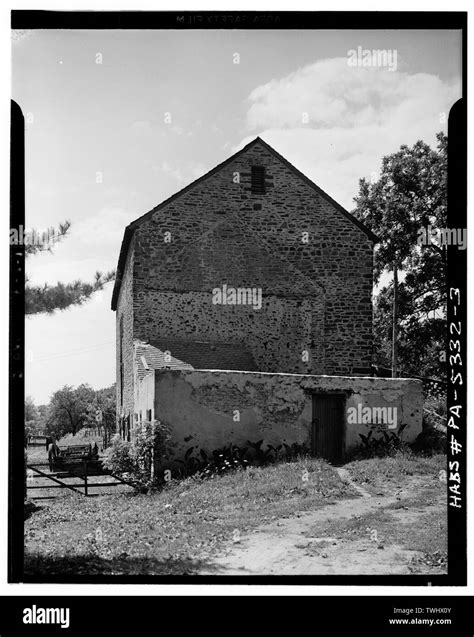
column 83, row 470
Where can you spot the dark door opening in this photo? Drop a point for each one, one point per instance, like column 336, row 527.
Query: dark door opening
column 328, row 426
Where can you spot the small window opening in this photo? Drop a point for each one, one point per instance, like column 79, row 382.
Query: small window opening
column 258, row 180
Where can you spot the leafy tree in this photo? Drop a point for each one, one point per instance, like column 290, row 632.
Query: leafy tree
column 69, row 409
column 46, row 298
column 31, row 416
column 31, row 411
column 104, row 404
column 410, row 311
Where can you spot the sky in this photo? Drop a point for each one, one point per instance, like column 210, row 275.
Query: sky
column 117, row 121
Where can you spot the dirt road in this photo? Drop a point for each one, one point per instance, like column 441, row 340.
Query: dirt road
column 289, row 546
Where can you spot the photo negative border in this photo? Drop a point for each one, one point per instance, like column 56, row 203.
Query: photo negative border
column 456, row 279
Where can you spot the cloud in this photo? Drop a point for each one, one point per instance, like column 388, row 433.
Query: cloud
column 181, row 175
column 141, row 126
column 179, row 130
column 174, row 172
column 354, row 116
column 91, row 244
column 103, row 229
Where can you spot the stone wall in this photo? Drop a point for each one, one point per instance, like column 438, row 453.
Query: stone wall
column 276, row 335
column 125, row 315
column 201, row 406
column 317, row 294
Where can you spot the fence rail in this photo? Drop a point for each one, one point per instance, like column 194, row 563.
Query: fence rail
column 82, row 487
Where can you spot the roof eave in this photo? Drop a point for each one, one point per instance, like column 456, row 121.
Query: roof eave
column 127, row 236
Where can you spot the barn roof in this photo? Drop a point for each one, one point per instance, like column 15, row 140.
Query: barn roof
column 129, row 230
column 149, row 358
column 208, row 354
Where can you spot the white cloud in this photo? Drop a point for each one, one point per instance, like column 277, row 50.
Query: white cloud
column 179, row 130
column 91, row 244
column 181, row 175
column 171, row 171
column 355, row 116
column 104, row 228
column 141, row 126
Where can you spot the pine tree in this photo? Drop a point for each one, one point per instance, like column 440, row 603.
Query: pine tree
column 48, row 298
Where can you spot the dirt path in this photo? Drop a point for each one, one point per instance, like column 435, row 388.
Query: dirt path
column 285, row 547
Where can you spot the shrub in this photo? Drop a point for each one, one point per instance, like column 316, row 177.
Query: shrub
column 137, row 460
column 118, row 457
column 229, row 457
column 435, row 412
column 431, row 441
column 388, row 445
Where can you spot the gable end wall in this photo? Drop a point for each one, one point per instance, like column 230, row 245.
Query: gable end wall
column 333, row 319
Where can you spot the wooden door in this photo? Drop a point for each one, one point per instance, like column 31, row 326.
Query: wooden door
column 328, row 426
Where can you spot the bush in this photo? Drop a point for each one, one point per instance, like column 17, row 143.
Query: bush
column 435, row 412
column 390, row 444
column 229, row 457
column 137, row 460
column 431, row 441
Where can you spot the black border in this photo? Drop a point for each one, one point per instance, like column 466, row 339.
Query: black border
column 457, row 263
column 238, row 20
column 457, row 318
column 16, row 394
column 250, row 615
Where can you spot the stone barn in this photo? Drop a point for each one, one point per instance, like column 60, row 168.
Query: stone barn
column 249, row 292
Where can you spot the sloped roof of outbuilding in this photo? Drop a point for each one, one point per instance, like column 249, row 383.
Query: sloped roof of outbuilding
column 166, row 353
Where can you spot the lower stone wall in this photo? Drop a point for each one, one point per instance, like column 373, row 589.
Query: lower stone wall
column 275, row 335
column 208, row 409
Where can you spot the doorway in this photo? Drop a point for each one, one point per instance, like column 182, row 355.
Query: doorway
column 328, row 426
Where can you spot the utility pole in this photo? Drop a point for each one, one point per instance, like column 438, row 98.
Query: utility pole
column 395, row 321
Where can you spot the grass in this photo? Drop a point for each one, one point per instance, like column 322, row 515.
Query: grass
column 428, row 531
column 176, row 530
column 381, row 475
column 416, row 521
column 425, row 533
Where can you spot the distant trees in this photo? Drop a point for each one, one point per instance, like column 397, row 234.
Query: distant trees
column 67, row 411
column 31, row 416
column 48, row 298
column 102, row 412
column 70, row 409
column 409, row 314
column 31, row 410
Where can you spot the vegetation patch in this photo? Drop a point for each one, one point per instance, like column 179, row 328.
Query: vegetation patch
column 381, row 475
column 176, row 530
column 400, row 526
